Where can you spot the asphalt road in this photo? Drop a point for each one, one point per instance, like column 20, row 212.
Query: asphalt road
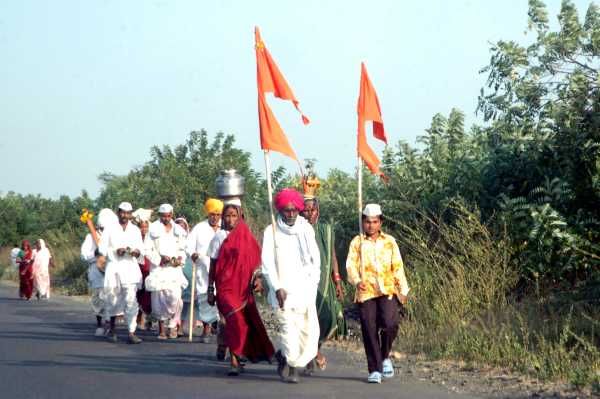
column 47, row 350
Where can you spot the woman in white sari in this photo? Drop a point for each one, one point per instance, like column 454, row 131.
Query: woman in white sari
column 41, row 275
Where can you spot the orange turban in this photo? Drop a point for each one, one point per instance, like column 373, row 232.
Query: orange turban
column 213, row 205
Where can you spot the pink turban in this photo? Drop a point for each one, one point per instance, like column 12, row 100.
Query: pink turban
column 289, row 195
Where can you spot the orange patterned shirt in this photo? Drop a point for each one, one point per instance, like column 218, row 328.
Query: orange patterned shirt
column 382, row 265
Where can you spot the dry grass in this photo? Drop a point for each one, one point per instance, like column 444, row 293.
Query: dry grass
column 461, row 307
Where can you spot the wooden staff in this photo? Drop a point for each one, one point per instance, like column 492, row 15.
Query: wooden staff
column 192, row 300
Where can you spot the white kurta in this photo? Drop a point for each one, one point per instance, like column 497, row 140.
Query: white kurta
column 299, row 273
column 198, row 242
column 121, row 270
column 122, row 277
column 88, row 255
column 95, row 277
column 166, row 282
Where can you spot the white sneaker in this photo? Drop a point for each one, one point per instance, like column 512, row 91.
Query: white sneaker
column 374, row 378
column 99, row 332
column 388, row 368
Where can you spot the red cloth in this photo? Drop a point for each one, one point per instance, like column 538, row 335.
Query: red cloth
column 288, row 195
column 144, row 297
column 26, row 271
column 238, row 259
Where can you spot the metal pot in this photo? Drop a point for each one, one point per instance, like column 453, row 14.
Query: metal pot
column 230, row 184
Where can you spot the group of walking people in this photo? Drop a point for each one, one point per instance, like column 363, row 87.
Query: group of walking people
column 33, row 265
column 141, row 271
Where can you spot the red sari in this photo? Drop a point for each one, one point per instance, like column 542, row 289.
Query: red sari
column 26, row 271
column 238, row 259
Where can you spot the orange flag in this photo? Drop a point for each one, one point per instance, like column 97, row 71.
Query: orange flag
column 369, row 110
column 270, row 80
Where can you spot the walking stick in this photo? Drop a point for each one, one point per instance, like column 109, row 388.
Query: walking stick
column 192, row 300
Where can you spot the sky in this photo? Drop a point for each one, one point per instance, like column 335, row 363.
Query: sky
column 88, row 87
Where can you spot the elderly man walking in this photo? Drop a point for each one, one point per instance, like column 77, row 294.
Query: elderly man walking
column 122, row 245
column 292, row 271
column 166, row 280
column 375, row 267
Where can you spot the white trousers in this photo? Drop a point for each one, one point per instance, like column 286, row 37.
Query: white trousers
column 167, row 306
column 299, row 335
column 123, row 300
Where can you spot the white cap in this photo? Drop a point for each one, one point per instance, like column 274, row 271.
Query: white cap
column 142, row 215
column 125, row 206
column 233, row 201
column 107, row 218
column 372, row 210
column 165, row 208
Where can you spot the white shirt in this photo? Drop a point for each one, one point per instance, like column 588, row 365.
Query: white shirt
column 88, row 254
column 215, row 244
column 197, row 243
column 121, row 269
column 149, row 251
column 168, row 243
column 300, row 281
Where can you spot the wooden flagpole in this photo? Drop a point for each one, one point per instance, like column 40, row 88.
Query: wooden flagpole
column 192, row 300
column 360, row 207
column 270, row 197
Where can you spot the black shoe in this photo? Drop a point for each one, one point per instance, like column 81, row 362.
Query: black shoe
column 293, row 377
column 234, row 371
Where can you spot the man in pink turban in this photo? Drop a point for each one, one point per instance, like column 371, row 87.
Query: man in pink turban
column 292, row 270
column 289, row 196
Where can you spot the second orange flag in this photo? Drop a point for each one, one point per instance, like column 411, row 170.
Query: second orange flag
column 368, row 109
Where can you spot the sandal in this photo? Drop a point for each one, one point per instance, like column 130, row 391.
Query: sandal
column 321, row 364
column 173, row 333
column 162, row 337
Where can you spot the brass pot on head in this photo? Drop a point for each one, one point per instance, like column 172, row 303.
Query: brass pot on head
column 230, row 185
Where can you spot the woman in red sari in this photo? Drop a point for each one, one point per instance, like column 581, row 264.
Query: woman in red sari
column 235, row 259
column 25, row 262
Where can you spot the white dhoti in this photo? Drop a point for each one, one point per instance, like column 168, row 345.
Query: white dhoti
column 123, row 300
column 208, row 314
column 299, row 335
column 167, row 306
column 98, row 303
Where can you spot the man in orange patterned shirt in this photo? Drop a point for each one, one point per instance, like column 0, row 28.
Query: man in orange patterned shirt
column 375, row 268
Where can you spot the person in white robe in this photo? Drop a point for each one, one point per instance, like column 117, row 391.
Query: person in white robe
column 197, row 250
column 42, row 260
column 14, row 254
column 89, row 254
column 292, row 276
column 166, row 279
column 122, row 245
